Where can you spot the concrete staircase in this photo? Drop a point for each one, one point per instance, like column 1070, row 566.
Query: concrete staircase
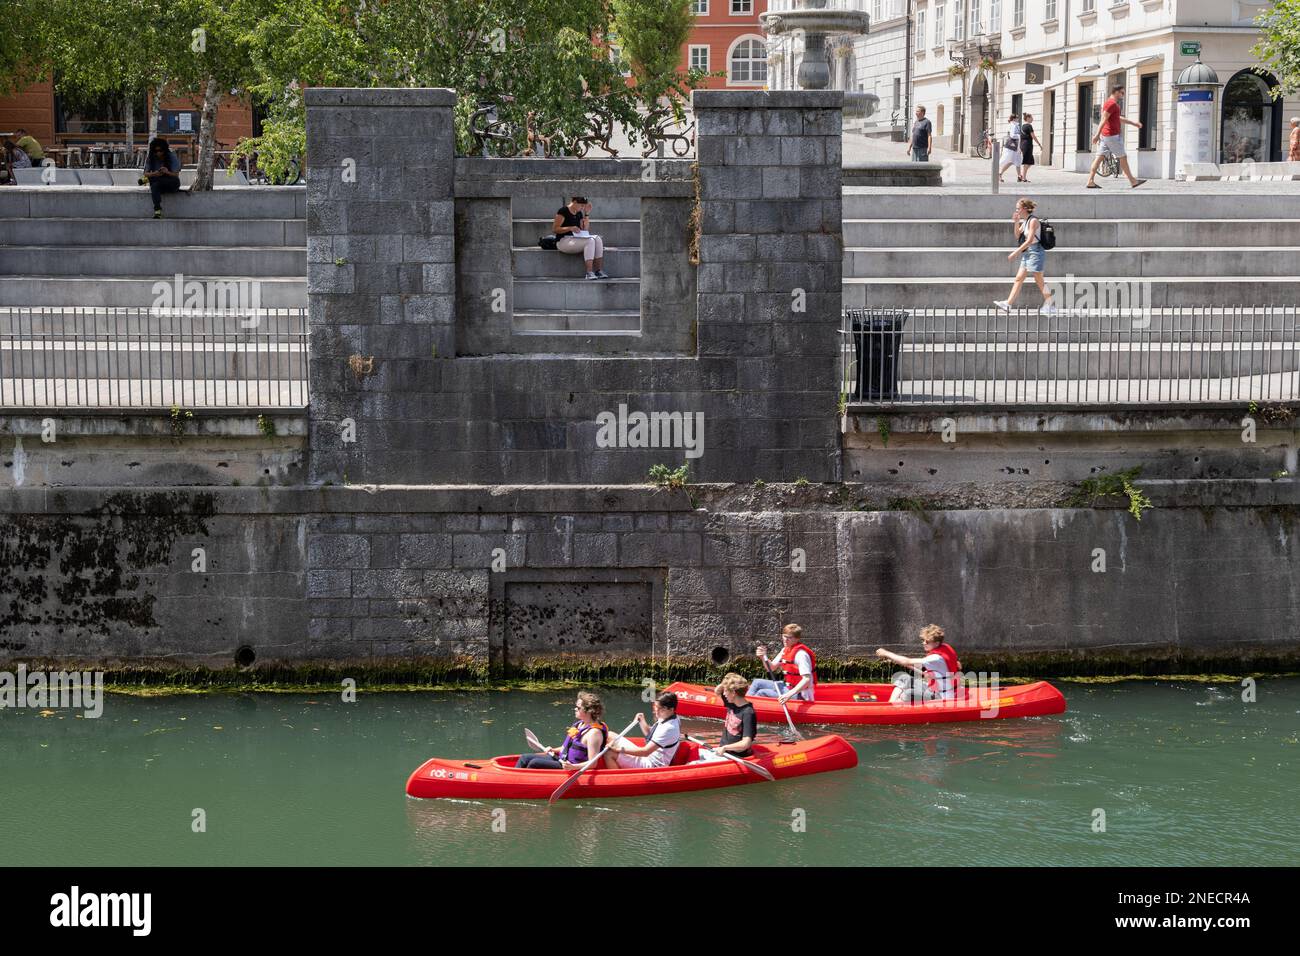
column 101, row 247
column 940, row 250
column 550, row 293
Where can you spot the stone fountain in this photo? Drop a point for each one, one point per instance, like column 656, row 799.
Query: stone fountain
column 816, row 20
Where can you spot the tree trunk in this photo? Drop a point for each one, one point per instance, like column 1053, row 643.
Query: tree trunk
column 155, row 111
column 207, row 137
column 130, row 126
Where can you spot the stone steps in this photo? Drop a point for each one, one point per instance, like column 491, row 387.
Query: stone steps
column 577, row 320
column 168, row 260
column 544, row 263
column 276, row 292
column 1098, row 205
column 1132, row 263
column 91, row 231
column 565, row 295
column 75, row 202
column 980, row 293
column 625, row 233
column 1073, row 233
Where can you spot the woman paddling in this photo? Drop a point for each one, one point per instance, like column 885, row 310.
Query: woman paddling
column 586, row 738
column 939, row 670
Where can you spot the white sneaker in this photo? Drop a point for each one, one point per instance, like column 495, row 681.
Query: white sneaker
column 602, row 274
column 1003, row 304
column 591, row 275
column 1049, row 308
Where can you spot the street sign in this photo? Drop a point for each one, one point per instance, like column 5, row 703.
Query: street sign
column 1034, row 73
column 1190, row 48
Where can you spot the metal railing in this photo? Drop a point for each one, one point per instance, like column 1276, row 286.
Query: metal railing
column 78, row 357
column 1173, row 356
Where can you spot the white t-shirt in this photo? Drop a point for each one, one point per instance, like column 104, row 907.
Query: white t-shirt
column 944, row 684
column 804, row 663
column 668, row 735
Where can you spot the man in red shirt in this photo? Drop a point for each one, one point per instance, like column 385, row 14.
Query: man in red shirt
column 1111, row 136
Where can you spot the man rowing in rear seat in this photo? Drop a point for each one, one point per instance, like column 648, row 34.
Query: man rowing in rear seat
column 935, row 674
column 796, row 664
column 661, row 740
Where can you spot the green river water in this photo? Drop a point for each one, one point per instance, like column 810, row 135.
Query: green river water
column 1187, row 773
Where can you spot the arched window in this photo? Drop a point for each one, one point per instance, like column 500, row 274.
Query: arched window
column 747, row 61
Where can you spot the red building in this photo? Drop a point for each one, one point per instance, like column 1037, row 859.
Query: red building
column 727, row 38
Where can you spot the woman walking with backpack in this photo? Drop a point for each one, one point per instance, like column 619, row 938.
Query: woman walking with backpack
column 1033, row 256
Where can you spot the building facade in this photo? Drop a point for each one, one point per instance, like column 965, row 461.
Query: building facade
column 977, row 61
column 876, row 63
column 727, row 39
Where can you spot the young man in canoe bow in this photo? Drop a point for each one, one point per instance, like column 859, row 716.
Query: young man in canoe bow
column 796, row 664
column 936, row 674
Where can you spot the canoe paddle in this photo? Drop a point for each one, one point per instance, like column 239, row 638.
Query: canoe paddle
column 534, row 742
column 761, row 771
column 563, row 788
column 794, row 730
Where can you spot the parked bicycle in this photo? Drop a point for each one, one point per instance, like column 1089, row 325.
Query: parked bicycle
column 984, row 147
column 1109, row 166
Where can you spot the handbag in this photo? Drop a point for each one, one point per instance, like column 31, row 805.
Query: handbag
column 548, row 242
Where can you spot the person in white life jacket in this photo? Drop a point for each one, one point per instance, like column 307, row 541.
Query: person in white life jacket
column 796, row 664
column 935, row 674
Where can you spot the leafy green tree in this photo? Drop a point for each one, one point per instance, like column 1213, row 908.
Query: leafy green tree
column 651, row 33
column 1279, row 44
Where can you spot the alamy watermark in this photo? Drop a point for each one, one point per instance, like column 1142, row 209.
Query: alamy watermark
column 624, row 429
column 70, row 690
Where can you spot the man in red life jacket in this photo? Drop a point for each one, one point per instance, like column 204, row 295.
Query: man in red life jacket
column 936, row 674
column 796, row 664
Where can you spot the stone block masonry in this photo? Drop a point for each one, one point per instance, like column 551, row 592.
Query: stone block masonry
column 511, row 574
column 394, row 401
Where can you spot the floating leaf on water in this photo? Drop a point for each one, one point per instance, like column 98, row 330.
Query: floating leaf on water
column 487, row 721
column 218, row 728
column 46, row 713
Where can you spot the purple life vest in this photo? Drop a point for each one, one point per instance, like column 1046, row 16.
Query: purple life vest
column 574, row 750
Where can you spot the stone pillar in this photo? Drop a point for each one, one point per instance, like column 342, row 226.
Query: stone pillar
column 380, row 274
column 771, row 252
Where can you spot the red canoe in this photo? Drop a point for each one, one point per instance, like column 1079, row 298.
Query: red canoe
column 836, row 704
column 497, row 779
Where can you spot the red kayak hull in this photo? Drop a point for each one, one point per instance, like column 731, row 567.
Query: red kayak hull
column 497, row 779
column 835, row 704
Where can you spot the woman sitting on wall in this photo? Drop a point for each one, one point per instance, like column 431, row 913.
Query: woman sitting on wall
column 162, row 173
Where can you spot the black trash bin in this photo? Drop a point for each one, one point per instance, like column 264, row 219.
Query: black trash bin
column 877, row 339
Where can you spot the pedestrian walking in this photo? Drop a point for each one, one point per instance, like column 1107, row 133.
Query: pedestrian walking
column 922, row 137
column 1033, row 256
column 1111, row 137
column 1011, row 149
column 1027, row 140
column 1293, row 151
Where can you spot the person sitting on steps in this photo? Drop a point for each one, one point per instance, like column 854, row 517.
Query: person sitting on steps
column 162, row 173
column 572, row 236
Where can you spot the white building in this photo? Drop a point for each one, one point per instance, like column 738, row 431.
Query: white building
column 970, row 74
column 875, row 63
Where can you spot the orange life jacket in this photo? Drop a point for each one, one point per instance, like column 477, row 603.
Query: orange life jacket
column 791, row 669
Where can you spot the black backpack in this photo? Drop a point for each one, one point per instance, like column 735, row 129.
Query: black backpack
column 1046, row 234
column 548, row 242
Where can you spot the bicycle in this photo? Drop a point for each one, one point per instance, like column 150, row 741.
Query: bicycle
column 1109, row 166
column 984, row 146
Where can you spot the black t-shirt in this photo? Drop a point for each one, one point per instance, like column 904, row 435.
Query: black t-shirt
column 740, row 722
column 1027, row 139
column 575, row 219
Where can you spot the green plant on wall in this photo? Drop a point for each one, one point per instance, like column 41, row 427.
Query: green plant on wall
column 180, row 418
column 882, row 426
column 266, row 426
column 666, row 477
column 1117, row 485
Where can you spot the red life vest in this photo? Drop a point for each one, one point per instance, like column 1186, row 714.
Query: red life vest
column 949, row 656
column 791, row 669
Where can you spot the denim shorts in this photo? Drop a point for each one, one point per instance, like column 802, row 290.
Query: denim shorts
column 1033, row 258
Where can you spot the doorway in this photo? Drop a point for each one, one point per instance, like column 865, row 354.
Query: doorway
column 1049, row 117
column 1252, row 119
